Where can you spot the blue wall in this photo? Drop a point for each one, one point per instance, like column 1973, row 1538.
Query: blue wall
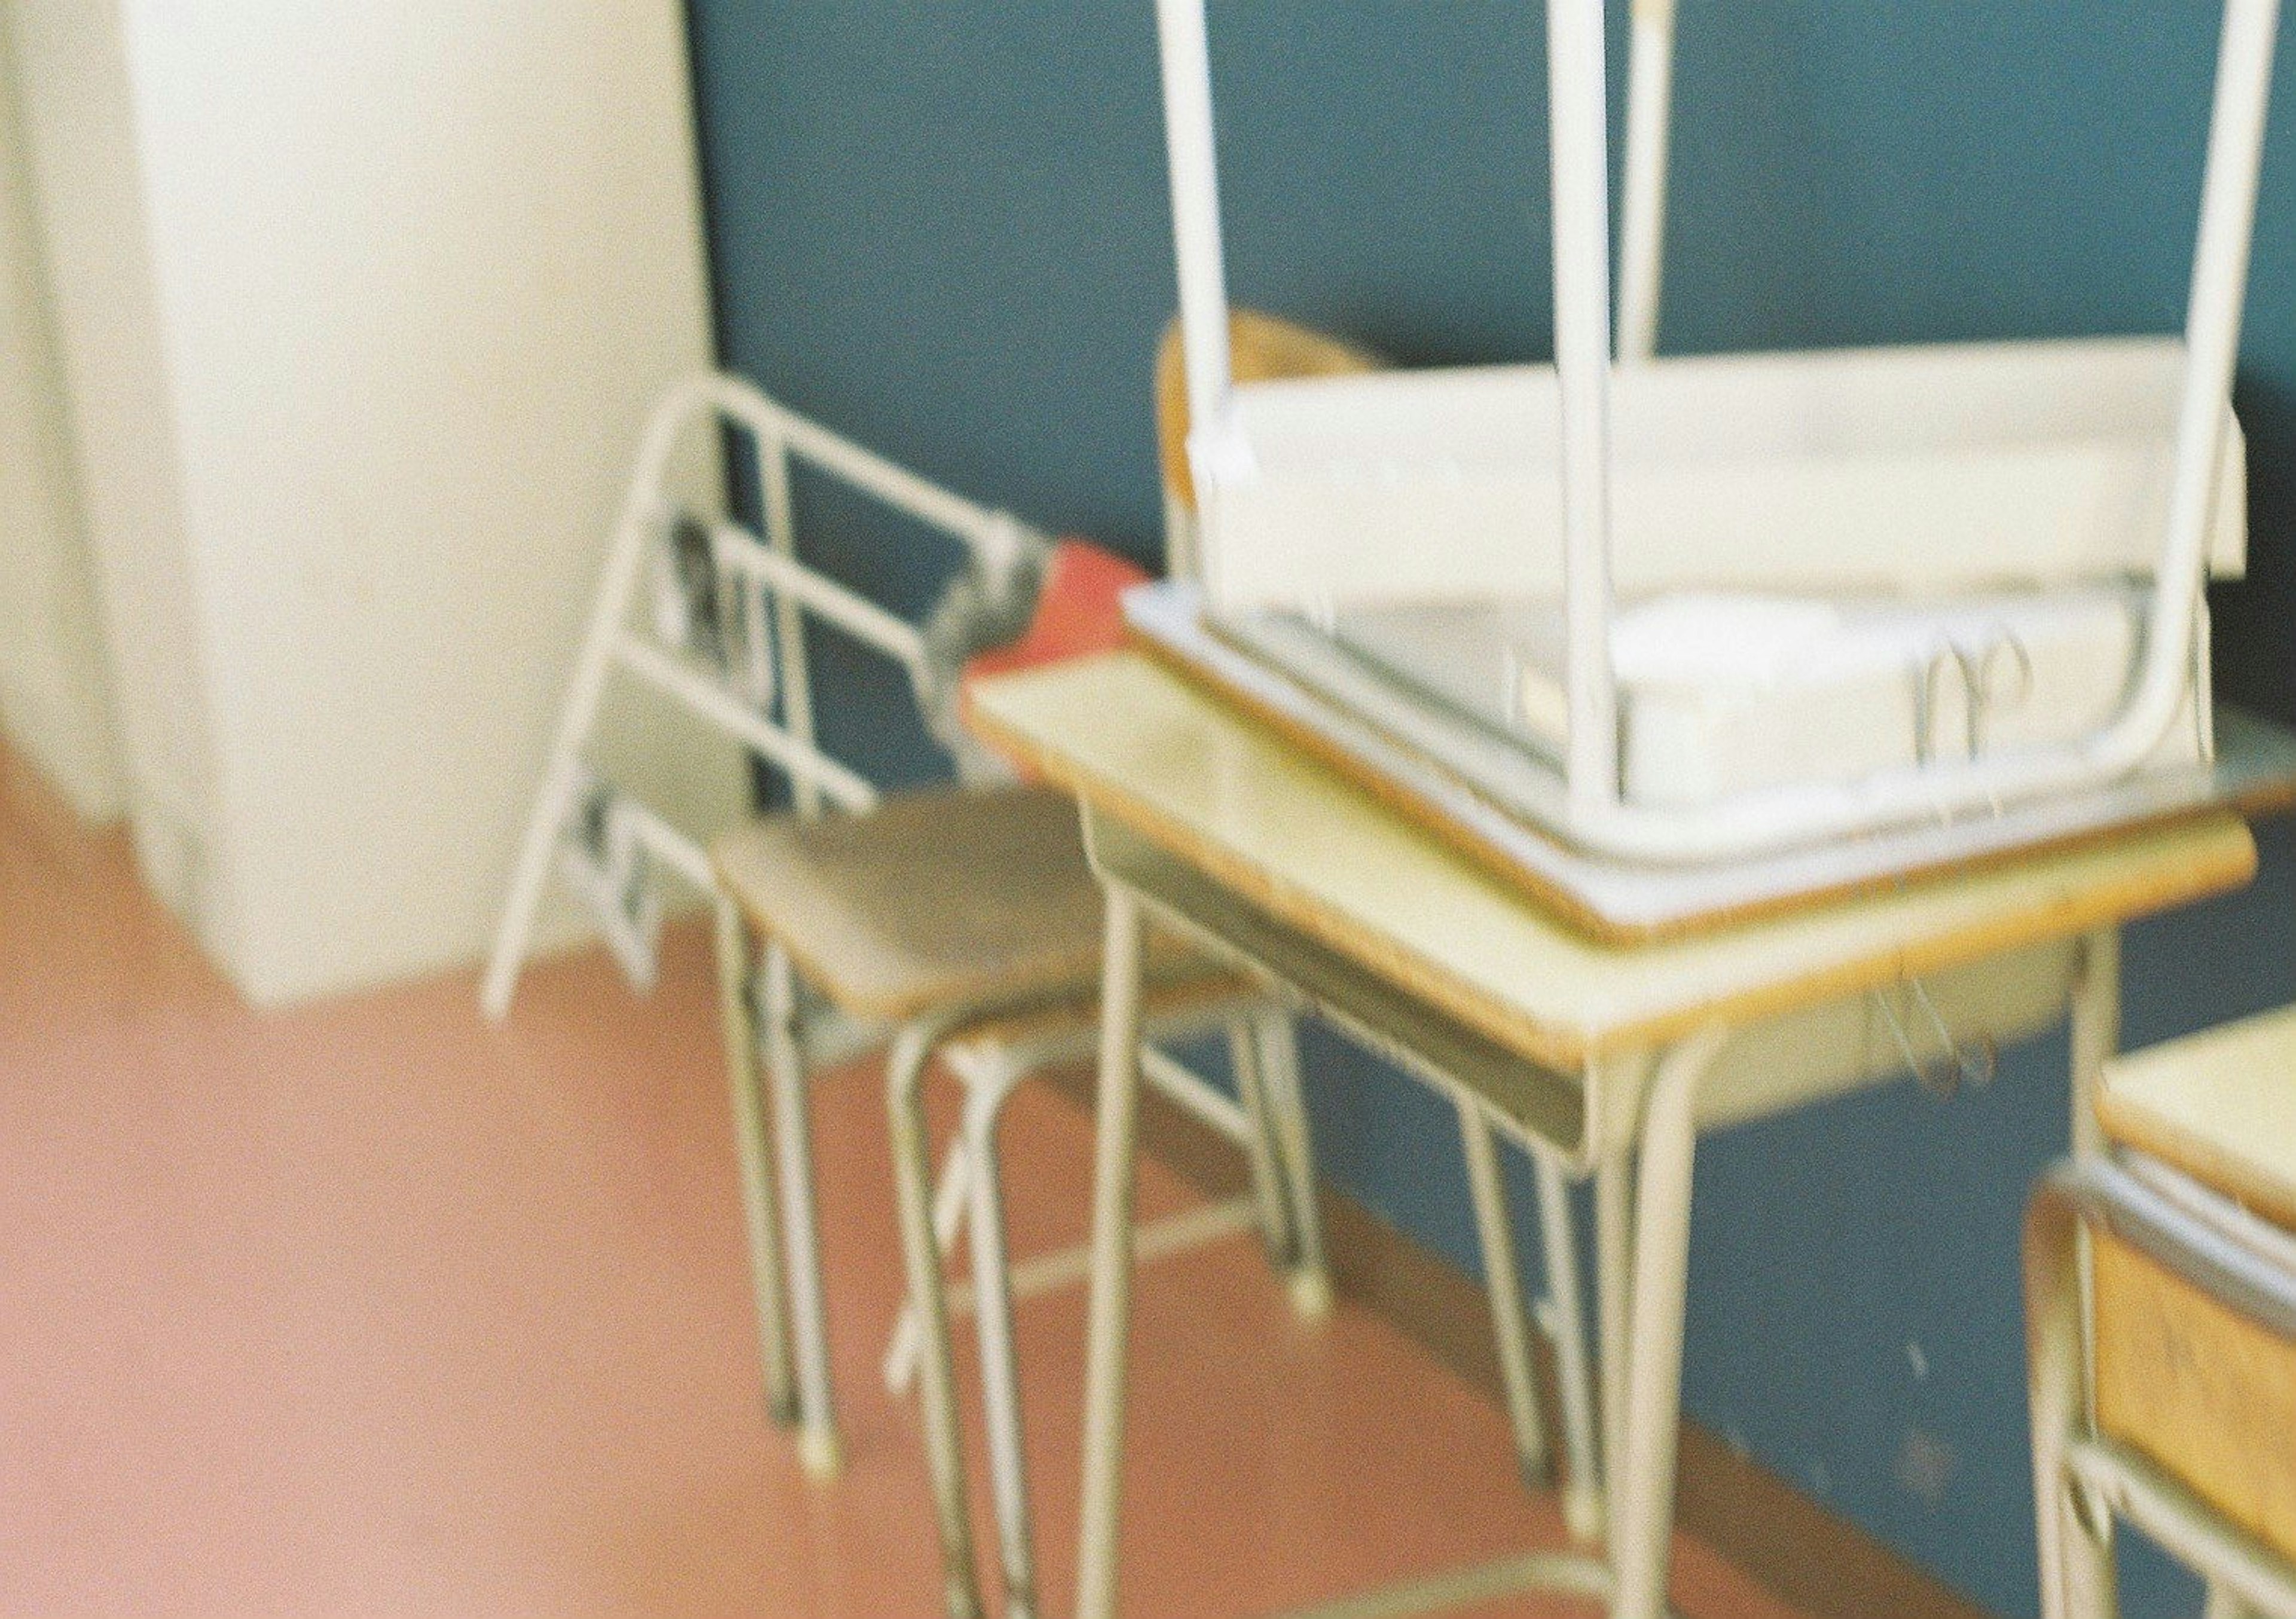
column 943, row 230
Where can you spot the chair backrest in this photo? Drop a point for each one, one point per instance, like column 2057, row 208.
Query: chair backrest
column 1926, row 470
column 1261, row 348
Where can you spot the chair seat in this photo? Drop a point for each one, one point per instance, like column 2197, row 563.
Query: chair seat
column 936, row 899
column 2220, row 1106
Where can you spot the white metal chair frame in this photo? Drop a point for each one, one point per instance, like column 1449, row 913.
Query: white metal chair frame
column 1595, row 815
column 2083, row 1480
column 760, row 695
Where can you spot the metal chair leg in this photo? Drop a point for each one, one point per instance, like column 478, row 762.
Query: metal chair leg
column 1503, row 1276
column 818, row 1444
column 1000, row 1378
column 921, row 1257
column 737, row 1016
column 951, row 1192
column 1287, row 1105
column 1109, row 1312
column 1276, row 1237
column 1582, row 1491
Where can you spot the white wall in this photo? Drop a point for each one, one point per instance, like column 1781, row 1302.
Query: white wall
column 53, row 703
column 367, row 302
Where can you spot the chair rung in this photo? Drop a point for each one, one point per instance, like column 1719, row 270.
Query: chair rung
column 1164, row 1238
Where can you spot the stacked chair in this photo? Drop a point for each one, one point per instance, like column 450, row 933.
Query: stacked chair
column 1692, row 611
column 2160, row 1284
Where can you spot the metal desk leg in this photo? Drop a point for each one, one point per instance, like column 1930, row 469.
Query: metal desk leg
column 1582, row 1491
column 2076, row 1545
column 952, row 1194
column 818, row 1446
column 1642, row 1493
column 1000, row 1377
column 1109, row 1310
column 1295, row 1147
column 753, row 1143
column 1614, row 1236
column 920, row 1255
column 2095, row 1032
column 1276, row 1235
column 1503, row 1276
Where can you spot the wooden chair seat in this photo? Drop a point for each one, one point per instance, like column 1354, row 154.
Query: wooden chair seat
column 938, row 899
column 2220, row 1106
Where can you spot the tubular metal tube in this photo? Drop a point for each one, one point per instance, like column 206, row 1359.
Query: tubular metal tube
column 1109, row 1310
column 820, row 1448
column 1186, row 54
column 753, row 1148
column 1000, row 1377
column 1503, row 1279
column 1582, row 359
column 1642, row 231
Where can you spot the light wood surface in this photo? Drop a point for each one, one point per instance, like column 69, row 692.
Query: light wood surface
column 2204, row 1391
column 2220, row 1106
column 934, row 899
column 1321, row 854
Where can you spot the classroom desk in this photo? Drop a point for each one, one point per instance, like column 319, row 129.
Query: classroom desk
column 1612, row 1058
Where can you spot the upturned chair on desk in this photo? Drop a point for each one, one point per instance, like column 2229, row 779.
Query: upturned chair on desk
column 960, row 923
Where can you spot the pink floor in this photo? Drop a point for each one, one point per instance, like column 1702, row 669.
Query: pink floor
column 369, row 1308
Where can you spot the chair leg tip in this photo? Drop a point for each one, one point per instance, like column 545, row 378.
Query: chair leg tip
column 1311, row 1294
column 1584, row 1512
column 822, row 1453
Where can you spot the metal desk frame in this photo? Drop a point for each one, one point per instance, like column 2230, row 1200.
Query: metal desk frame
column 1618, row 1091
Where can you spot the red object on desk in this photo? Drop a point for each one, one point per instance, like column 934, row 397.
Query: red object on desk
column 1077, row 611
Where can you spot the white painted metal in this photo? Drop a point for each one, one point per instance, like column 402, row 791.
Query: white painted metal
column 952, row 1195
column 1659, row 1101
column 753, row 1148
column 1278, row 1043
column 1503, row 1280
column 1642, row 1494
column 1642, row 235
column 1614, row 1238
column 1261, row 1142
column 1582, row 365
column 737, row 553
column 1926, row 469
column 1189, row 140
column 1000, row 1376
column 1108, row 1314
column 1056, row 1270
column 1275, row 1217
column 1193, row 1093
column 773, row 743
column 819, row 1447
column 795, row 670
column 1583, row 1500
column 944, row 1439
column 700, row 403
column 2084, row 1480
column 761, row 698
